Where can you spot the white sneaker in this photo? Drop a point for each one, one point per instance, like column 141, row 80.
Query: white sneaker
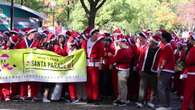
column 75, row 101
column 46, row 100
column 151, row 105
column 181, row 97
column 7, row 99
column 139, row 105
column 161, row 108
column 169, row 108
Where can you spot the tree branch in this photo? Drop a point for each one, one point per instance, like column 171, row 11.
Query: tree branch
column 101, row 4
column 90, row 1
column 84, row 6
column 96, row 2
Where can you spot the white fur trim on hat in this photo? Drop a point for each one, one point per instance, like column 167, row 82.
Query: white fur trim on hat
column 116, row 34
column 84, row 37
column 61, row 34
column 154, row 40
column 193, row 36
column 31, row 31
column 144, row 35
column 11, row 40
column 92, row 31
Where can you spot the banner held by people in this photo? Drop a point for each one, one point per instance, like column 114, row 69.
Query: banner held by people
column 22, row 65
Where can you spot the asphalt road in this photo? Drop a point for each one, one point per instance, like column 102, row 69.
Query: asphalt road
column 61, row 106
column 28, row 105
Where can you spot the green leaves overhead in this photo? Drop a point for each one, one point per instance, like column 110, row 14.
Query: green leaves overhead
column 130, row 15
column 133, row 14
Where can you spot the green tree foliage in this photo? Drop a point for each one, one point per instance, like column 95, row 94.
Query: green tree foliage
column 130, row 15
column 34, row 4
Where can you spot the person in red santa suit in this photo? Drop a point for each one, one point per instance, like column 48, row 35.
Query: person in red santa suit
column 6, row 88
column 147, row 66
column 73, row 87
column 95, row 52
column 180, row 54
column 190, row 76
column 106, row 73
column 29, row 41
column 141, row 44
column 61, row 49
column 29, row 89
column 166, row 70
column 122, row 59
column 116, row 35
column 132, row 87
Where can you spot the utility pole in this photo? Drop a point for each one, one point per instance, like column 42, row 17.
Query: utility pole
column 22, row 2
column 12, row 15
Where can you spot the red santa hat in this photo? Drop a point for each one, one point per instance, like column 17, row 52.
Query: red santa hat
column 71, row 41
column 31, row 31
column 14, row 31
column 61, row 34
column 76, row 35
column 68, row 33
column 93, row 31
column 46, row 32
column 87, row 30
column 14, row 39
column 156, row 38
column 26, row 29
column 51, row 37
column 117, row 32
column 143, row 34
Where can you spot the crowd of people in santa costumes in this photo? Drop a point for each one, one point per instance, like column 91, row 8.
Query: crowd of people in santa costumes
column 144, row 68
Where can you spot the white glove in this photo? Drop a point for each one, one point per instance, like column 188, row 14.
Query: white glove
column 183, row 76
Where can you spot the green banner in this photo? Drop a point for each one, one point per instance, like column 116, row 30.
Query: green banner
column 22, row 65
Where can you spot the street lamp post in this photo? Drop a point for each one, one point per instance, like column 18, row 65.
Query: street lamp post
column 53, row 5
column 12, row 15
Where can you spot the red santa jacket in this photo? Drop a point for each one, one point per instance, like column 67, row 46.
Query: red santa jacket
column 23, row 44
column 190, row 62
column 94, row 52
column 123, row 58
column 107, row 59
column 167, row 59
column 60, row 51
column 179, row 55
column 5, row 47
column 135, row 54
column 143, row 52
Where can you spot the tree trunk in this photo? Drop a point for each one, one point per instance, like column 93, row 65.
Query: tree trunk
column 91, row 19
column 91, row 13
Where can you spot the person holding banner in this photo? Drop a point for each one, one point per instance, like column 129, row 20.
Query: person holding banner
column 6, row 88
column 60, row 49
column 72, row 87
column 95, row 51
column 29, row 89
column 47, row 44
